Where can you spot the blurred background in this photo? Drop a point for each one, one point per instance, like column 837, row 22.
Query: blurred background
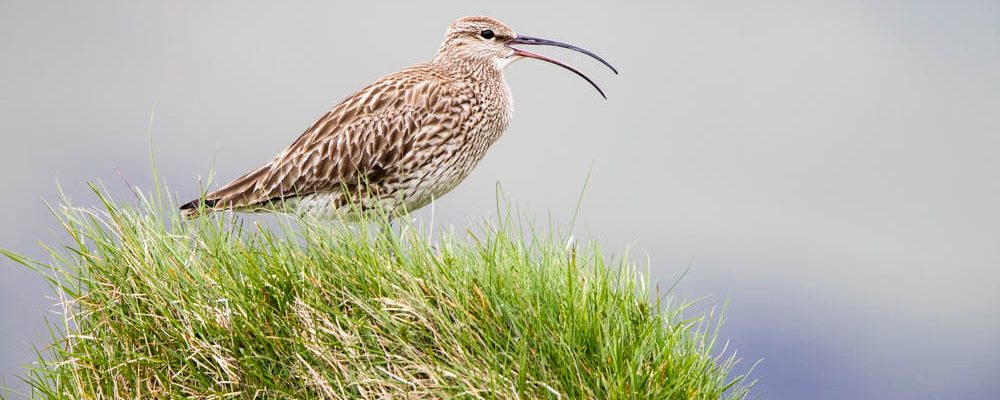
column 830, row 168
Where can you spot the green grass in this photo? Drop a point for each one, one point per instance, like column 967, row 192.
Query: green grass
column 157, row 307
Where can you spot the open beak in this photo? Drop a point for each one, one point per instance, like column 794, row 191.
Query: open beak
column 545, row 42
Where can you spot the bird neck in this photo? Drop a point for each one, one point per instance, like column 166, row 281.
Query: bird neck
column 474, row 70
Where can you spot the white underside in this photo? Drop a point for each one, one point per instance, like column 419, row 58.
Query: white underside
column 506, row 62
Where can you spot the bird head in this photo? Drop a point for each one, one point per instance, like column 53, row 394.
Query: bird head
column 486, row 41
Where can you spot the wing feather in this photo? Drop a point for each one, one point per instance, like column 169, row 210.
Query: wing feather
column 362, row 140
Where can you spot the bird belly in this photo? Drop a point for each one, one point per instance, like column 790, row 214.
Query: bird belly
column 441, row 175
column 317, row 205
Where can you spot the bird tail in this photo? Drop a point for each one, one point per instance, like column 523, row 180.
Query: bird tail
column 238, row 194
column 196, row 208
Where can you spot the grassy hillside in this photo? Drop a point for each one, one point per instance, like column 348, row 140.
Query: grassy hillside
column 157, row 307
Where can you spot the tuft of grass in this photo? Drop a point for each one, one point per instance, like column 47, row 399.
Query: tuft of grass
column 156, row 307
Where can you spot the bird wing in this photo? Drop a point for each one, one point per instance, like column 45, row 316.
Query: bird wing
column 360, row 141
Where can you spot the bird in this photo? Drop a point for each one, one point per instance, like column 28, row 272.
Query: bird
column 402, row 141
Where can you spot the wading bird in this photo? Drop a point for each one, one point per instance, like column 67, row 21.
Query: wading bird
column 399, row 143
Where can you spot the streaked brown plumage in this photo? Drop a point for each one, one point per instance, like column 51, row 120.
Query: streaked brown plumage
column 404, row 140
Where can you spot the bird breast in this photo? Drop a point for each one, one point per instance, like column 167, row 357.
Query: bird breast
column 485, row 106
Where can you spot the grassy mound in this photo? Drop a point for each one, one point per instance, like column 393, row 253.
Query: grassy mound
column 157, row 307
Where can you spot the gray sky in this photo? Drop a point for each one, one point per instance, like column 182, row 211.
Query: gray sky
column 828, row 168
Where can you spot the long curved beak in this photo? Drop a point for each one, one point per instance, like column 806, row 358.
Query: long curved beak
column 527, row 40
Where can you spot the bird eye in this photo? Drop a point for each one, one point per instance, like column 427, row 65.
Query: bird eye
column 487, row 34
